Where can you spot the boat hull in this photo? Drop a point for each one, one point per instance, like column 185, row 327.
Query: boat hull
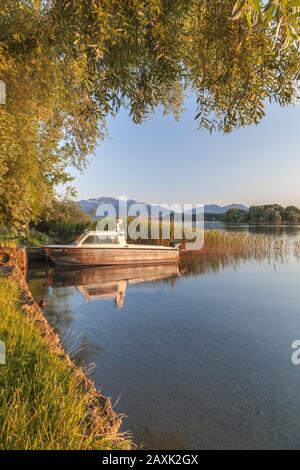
column 73, row 256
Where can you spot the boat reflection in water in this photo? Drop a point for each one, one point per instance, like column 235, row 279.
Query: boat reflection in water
column 108, row 283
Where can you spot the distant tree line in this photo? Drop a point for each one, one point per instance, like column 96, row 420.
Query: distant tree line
column 267, row 214
column 208, row 217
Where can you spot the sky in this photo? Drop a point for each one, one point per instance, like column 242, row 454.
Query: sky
column 168, row 161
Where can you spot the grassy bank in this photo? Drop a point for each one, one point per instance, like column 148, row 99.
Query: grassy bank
column 44, row 403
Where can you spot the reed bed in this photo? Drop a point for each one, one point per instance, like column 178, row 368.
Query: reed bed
column 155, row 233
column 255, row 246
column 217, row 242
column 296, row 249
column 230, row 249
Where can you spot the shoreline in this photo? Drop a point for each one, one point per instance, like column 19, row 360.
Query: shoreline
column 99, row 409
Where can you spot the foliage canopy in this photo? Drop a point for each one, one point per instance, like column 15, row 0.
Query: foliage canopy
column 64, row 221
column 67, row 64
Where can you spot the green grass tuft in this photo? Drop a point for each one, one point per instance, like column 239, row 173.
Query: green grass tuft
column 42, row 401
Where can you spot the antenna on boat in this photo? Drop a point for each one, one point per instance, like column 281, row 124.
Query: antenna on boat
column 119, row 222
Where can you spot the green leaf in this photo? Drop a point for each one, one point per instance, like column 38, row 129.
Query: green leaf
column 249, row 20
column 269, row 14
column 255, row 5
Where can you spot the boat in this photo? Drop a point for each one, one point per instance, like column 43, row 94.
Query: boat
column 109, row 248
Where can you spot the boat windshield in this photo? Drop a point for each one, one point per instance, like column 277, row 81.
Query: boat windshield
column 100, row 240
column 78, row 239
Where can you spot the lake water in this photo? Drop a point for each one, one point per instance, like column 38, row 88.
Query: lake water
column 195, row 357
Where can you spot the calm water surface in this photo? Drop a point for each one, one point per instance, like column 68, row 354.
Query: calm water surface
column 198, row 357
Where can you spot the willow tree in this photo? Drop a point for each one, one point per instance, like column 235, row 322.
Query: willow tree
column 68, row 64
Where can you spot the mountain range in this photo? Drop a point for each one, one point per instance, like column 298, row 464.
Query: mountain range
column 89, row 206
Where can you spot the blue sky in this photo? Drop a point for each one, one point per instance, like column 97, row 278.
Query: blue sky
column 165, row 161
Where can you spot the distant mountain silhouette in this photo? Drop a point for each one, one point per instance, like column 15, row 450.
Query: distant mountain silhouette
column 215, row 209
column 89, row 206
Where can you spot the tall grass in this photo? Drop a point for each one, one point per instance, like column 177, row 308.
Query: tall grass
column 215, row 241
column 256, row 246
column 42, row 402
column 6, row 243
column 7, row 240
column 296, row 249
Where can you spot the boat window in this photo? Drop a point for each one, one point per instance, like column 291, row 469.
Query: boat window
column 100, row 240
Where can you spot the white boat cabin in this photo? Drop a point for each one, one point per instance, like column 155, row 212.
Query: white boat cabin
column 101, row 239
